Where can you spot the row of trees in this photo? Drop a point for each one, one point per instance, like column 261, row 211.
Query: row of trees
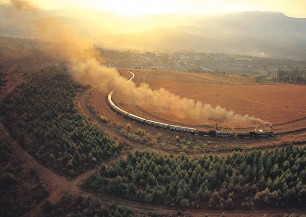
column 41, row 115
column 292, row 76
column 21, row 189
column 83, row 207
column 2, row 77
column 274, row 179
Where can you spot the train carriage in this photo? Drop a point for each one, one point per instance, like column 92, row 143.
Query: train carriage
column 212, row 133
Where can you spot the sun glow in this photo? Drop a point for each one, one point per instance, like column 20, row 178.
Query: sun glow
column 140, row 7
column 295, row 8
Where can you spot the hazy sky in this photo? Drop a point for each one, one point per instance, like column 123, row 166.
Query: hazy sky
column 294, row 8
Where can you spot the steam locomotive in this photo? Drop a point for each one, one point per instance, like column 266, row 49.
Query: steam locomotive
column 211, row 133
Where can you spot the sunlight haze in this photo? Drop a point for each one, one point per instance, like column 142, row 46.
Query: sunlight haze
column 294, row 8
column 153, row 108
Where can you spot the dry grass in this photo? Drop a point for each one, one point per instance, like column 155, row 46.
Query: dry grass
column 275, row 103
column 240, row 86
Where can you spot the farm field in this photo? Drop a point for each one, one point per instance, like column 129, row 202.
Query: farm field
column 91, row 129
column 287, row 129
column 275, row 103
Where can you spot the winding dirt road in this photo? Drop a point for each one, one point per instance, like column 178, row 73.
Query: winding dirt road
column 58, row 185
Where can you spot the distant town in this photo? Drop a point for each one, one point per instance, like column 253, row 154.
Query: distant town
column 200, row 62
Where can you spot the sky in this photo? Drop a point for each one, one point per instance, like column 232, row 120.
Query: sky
column 292, row 8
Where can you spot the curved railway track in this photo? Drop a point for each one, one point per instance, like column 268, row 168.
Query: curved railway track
column 167, row 126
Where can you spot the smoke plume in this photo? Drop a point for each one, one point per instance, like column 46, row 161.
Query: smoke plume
column 23, row 5
column 163, row 100
column 85, row 66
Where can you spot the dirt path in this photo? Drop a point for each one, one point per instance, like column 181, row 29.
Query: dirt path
column 110, row 199
column 58, row 185
column 110, row 131
column 297, row 126
column 147, row 207
column 11, row 84
column 115, row 134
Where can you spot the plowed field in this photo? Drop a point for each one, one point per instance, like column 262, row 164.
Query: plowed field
column 274, row 102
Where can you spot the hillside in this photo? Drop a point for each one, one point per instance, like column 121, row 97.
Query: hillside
column 250, row 33
column 268, row 34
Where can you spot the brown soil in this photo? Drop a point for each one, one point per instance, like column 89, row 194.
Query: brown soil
column 292, row 130
column 275, row 103
column 58, row 185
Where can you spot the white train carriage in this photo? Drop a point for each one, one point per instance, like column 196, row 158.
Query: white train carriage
column 224, row 134
column 161, row 125
column 174, row 127
column 191, row 130
column 212, row 133
column 149, row 122
column 136, row 118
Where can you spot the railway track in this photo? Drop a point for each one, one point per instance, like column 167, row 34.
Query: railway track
column 297, row 126
column 168, row 126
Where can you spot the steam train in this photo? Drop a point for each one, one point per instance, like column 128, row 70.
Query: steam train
column 211, row 133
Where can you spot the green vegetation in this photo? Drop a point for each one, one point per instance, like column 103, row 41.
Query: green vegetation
column 138, row 135
column 295, row 75
column 83, row 207
column 41, row 115
column 20, row 188
column 247, row 180
column 184, row 142
column 95, row 113
column 2, row 78
column 141, row 136
column 264, row 78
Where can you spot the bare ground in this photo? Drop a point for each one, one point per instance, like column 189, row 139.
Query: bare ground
column 273, row 102
column 58, row 185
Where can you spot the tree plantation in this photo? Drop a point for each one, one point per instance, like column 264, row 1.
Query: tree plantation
column 242, row 180
column 41, row 115
column 19, row 186
column 88, row 207
column 190, row 142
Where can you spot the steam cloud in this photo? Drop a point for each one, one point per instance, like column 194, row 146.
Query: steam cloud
column 85, row 66
column 163, row 100
column 24, row 5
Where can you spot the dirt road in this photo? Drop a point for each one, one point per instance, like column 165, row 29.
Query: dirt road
column 58, row 185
